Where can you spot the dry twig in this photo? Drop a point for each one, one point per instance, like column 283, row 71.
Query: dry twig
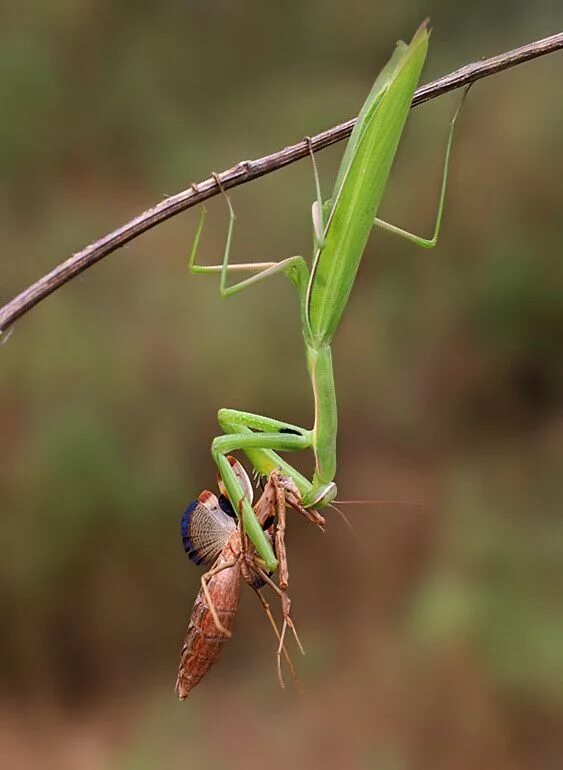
column 246, row 171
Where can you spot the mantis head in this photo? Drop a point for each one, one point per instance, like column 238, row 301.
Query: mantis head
column 320, row 496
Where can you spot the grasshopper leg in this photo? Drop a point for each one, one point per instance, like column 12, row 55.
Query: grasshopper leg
column 205, row 578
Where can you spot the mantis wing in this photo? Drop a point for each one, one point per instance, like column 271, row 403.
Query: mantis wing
column 359, row 187
column 372, row 102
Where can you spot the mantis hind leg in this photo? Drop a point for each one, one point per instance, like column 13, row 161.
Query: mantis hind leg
column 429, row 243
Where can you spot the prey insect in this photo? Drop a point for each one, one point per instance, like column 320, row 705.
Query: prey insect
column 341, row 226
column 212, row 537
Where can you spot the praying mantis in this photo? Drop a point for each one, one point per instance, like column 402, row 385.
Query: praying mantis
column 211, row 537
column 341, row 226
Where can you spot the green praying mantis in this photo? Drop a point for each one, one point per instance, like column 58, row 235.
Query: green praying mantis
column 341, row 226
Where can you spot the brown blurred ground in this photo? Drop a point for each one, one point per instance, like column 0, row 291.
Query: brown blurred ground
column 434, row 633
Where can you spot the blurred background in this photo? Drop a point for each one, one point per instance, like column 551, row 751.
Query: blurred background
column 434, row 632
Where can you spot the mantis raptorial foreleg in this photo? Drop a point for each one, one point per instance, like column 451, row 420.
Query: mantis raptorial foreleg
column 222, row 446
column 264, row 461
column 268, row 435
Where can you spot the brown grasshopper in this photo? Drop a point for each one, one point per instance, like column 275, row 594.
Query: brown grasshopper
column 213, row 537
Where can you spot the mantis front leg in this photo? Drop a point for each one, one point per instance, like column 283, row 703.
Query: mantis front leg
column 262, row 434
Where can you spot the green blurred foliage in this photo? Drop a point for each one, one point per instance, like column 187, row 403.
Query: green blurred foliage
column 434, row 639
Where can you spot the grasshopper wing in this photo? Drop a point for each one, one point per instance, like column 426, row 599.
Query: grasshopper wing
column 206, row 528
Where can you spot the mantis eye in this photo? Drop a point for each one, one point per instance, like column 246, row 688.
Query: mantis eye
column 325, row 495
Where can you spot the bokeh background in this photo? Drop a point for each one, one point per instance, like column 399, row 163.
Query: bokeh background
column 434, row 632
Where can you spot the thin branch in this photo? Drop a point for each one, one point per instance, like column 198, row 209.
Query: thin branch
column 246, row 171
